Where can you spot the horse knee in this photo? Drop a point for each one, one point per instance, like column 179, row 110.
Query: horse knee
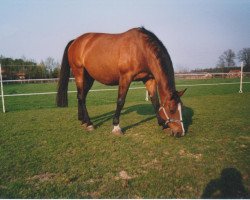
column 79, row 94
column 81, row 99
column 120, row 102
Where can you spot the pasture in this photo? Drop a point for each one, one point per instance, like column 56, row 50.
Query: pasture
column 44, row 152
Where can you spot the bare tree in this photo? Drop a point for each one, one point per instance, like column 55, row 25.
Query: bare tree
column 227, row 59
column 221, row 62
column 50, row 65
column 244, row 56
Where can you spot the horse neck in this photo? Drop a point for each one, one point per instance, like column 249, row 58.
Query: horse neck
column 165, row 80
column 164, row 91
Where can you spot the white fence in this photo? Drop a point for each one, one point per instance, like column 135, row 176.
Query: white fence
column 45, row 80
column 177, row 76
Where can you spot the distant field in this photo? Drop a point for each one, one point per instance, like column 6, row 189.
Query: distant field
column 44, row 152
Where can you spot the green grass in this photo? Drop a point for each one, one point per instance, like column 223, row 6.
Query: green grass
column 44, row 152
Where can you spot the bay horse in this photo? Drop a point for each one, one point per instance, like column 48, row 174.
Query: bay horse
column 119, row 59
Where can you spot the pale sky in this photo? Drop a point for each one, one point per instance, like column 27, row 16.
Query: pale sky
column 195, row 32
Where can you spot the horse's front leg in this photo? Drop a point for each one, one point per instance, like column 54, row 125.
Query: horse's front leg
column 151, row 87
column 124, row 84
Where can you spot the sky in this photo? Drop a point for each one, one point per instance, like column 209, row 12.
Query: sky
column 195, row 32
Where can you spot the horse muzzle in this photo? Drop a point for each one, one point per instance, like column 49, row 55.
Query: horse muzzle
column 177, row 133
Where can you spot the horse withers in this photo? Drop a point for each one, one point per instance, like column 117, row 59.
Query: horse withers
column 119, row 59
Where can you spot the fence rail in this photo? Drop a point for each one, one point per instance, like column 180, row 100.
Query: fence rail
column 45, row 80
column 177, row 75
column 115, row 89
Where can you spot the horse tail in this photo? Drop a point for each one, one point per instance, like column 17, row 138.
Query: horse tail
column 62, row 91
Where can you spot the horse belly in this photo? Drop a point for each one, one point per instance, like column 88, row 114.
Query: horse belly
column 103, row 73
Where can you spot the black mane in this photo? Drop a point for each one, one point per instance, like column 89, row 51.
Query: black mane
column 161, row 54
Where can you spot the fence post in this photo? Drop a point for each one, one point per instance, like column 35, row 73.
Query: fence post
column 1, row 80
column 146, row 99
column 241, row 77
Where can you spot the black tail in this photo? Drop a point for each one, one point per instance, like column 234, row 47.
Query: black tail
column 62, row 91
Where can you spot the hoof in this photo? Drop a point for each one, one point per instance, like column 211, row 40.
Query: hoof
column 117, row 131
column 88, row 128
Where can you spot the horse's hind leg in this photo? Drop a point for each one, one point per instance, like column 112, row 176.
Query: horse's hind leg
column 151, row 87
column 87, row 84
column 83, row 83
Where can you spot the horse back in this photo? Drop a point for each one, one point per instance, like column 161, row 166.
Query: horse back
column 106, row 57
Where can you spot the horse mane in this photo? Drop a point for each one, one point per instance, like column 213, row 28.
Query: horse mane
column 161, row 54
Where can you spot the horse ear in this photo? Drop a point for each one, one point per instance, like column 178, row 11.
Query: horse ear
column 181, row 92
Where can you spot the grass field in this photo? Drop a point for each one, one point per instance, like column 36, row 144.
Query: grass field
column 44, row 152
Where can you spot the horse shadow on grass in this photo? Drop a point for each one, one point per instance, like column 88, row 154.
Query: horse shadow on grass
column 228, row 186
column 187, row 115
column 144, row 110
column 140, row 109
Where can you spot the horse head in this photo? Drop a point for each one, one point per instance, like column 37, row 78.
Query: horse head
column 171, row 112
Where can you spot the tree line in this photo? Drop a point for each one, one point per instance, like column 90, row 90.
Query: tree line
column 29, row 69
column 226, row 61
